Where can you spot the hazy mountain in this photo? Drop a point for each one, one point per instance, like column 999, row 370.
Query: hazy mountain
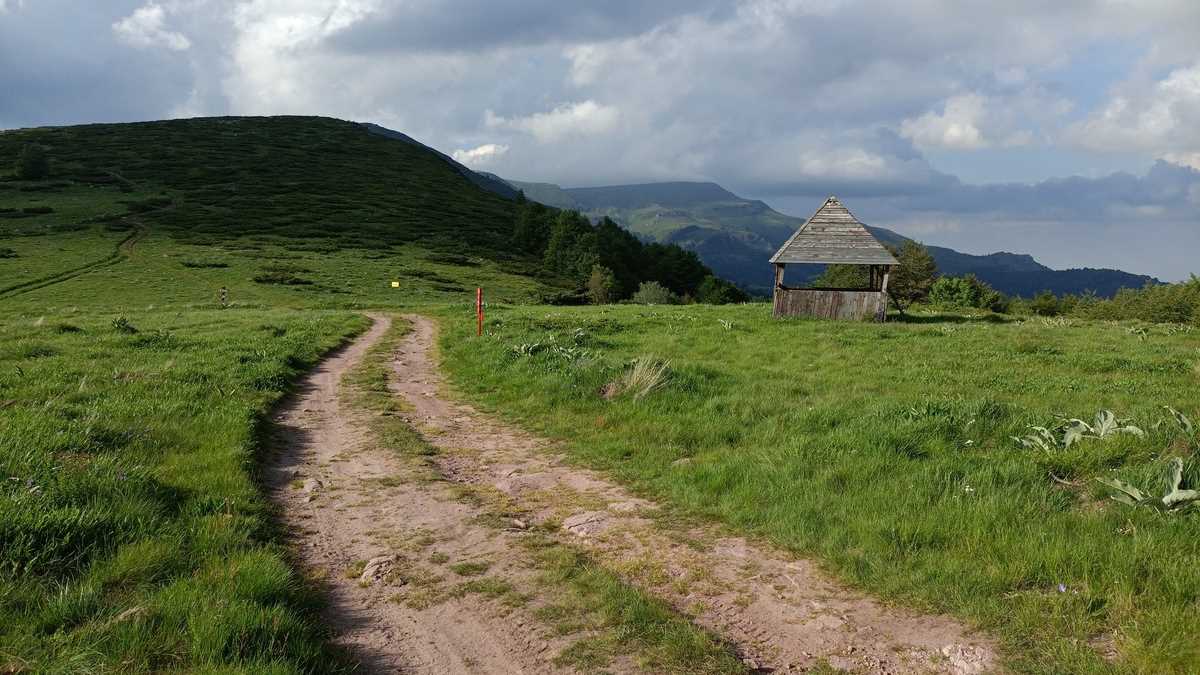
column 736, row 236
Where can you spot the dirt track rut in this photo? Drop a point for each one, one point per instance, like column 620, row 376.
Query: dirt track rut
column 346, row 500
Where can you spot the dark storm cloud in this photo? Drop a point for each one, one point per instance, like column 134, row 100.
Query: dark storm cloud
column 478, row 25
column 59, row 64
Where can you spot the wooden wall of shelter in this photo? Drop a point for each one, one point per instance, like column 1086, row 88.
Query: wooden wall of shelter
column 833, row 236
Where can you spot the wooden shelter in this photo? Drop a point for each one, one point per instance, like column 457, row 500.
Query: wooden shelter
column 833, row 236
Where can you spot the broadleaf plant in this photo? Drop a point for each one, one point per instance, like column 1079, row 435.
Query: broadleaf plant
column 1073, row 430
column 1041, row 438
column 1104, row 425
column 1174, row 499
column 1182, row 420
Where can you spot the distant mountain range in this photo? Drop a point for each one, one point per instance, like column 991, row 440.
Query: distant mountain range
column 736, row 236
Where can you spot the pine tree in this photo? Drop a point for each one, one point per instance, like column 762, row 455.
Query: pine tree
column 911, row 280
column 600, row 285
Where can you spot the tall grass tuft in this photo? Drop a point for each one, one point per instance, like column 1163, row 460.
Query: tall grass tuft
column 645, row 376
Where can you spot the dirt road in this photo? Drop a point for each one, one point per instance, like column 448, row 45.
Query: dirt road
column 383, row 529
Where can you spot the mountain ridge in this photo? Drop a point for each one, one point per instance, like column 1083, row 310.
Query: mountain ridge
column 735, row 236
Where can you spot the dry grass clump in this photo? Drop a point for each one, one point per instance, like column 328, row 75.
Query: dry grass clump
column 646, row 375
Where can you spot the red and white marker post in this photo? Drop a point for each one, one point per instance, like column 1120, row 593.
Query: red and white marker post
column 478, row 312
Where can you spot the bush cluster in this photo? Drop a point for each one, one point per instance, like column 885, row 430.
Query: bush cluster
column 1157, row 303
column 967, row 292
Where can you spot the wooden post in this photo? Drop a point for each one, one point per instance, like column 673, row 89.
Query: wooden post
column 478, row 312
column 881, row 313
column 775, row 298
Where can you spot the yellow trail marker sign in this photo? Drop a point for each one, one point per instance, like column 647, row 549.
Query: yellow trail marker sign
column 395, row 284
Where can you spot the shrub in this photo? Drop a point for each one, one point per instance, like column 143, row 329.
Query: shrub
column 452, row 259
column 654, row 293
column 1045, row 304
column 283, row 275
column 7, row 253
column 204, row 264
column 967, row 291
column 122, row 325
column 32, row 164
column 281, row 278
column 716, row 291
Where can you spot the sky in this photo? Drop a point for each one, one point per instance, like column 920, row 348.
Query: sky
column 1066, row 129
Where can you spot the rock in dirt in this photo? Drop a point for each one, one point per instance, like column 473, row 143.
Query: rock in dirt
column 312, row 487
column 629, row 506
column 587, row 523
column 377, row 568
column 964, row 660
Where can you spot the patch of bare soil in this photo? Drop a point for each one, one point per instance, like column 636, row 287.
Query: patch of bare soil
column 418, row 580
column 782, row 613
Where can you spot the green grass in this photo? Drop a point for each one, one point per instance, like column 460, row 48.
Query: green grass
column 885, row 451
column 133, row 536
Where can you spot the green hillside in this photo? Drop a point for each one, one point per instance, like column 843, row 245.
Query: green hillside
column 282, row 210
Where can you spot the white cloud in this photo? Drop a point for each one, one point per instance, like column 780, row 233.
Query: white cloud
column 1191, row 159
column 9, row 5
column 956, row 128
column 146, row 28
column 482, row 155
column 973, row 122
column 586, row 118
column 1160, row 118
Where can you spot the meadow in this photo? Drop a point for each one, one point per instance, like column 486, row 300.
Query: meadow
column 134, row 536
column 888, row 452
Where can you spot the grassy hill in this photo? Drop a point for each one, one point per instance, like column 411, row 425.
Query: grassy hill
column 281, row 210
column 736, row 236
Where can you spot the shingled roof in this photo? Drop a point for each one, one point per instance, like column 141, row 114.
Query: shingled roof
column 833, row 236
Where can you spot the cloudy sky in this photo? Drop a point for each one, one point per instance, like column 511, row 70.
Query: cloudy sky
column 1067, row 129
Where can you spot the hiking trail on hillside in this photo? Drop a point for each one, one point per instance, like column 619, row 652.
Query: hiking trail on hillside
column 380, row 525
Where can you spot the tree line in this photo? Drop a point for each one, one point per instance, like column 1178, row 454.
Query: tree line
column 916, row 280
column 608, row 263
